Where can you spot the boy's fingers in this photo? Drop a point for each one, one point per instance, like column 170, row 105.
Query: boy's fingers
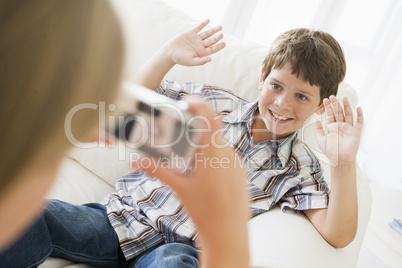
column 330, row 116
column 214, row 49
column 199, row 61
column 360, row 118
column 201, row 26
column 348, row 111
column 213, row 40
column 338, row 111
column 318, row 128
column 210, row 32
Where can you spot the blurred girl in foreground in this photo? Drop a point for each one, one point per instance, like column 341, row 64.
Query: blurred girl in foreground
column 56, row 55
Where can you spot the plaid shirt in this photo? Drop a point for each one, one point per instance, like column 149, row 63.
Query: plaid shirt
column 145, row 212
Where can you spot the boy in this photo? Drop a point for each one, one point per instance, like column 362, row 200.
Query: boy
column 300, row 77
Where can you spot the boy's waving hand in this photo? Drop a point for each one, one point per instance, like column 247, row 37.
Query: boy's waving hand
column 192, row 48
column 189, row 48
column 338, row 223
column 341, row 142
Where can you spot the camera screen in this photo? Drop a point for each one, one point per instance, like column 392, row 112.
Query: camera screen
column 157, row 132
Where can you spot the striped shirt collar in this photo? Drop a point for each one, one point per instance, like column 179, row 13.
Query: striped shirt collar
column 245, row 116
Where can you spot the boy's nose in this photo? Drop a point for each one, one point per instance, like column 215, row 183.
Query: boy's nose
column 284, row 101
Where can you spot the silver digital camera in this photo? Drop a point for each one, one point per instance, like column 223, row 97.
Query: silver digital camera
column 157, row 125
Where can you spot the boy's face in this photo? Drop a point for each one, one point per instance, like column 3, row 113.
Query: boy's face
column 286, row 102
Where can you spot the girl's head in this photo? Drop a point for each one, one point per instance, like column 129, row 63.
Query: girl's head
column 54, row 56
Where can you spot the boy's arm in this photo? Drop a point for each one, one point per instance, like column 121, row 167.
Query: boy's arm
column 190, row 48
column 338, row 223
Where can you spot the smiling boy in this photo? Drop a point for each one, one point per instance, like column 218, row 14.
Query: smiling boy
column 286, row 102
column 300, row 77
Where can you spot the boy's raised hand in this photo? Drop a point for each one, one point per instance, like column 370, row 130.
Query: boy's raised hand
column 189, row 48
column 341, row 142
column 193, row 47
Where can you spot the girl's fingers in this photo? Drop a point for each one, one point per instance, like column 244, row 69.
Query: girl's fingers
column 180, row 182
column 202, row 110
column 176, row 180
column 208, row 125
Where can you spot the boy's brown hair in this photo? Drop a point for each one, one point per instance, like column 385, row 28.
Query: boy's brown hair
column 314, row 56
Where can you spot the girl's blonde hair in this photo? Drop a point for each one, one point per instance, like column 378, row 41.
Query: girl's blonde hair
column 54, row 55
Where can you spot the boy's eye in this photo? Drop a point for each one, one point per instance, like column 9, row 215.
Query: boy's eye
column 276, row 86
column 301, row 96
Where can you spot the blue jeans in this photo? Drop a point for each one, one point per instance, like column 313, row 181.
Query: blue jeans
column 84, row 234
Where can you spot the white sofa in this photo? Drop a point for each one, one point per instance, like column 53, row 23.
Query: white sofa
column 276, row 239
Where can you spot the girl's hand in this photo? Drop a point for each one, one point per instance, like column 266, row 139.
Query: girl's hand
column 215, row 195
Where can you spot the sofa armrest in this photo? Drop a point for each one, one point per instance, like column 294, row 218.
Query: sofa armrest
column 284, row 240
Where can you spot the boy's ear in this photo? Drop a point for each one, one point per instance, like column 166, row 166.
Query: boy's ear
column 320, row 110
column 261, row 79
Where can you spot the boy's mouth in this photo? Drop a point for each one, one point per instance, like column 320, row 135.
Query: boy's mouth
column 279, row 117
